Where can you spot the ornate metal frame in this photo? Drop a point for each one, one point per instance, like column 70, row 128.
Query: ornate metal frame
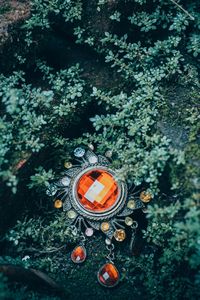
column 88, row 160
column 111, row 221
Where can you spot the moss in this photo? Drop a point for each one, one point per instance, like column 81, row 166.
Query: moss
column 5, row 8
column 179, row 121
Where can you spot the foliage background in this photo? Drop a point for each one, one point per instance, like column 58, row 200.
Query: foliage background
column 124, row 76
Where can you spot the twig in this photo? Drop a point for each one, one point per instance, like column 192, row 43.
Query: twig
column 185, row 11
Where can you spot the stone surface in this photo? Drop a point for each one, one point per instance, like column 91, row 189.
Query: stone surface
column 11, row 14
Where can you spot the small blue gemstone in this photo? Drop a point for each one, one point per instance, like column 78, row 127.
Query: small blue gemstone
column 51, row 191
column 79, row 152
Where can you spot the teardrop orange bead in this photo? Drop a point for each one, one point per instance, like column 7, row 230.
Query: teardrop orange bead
column 108, row 275
column 78, row 255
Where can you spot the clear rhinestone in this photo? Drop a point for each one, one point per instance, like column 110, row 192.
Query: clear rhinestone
column 92, row 159
column 91, row 147
column 65, row 181
column 67, row 164
column 131, row 204
column 108, row 153
column 51, row 191
column 79, row 152
column 89, row 231
column 144, row 210
column 108, row 241
column 128, row 221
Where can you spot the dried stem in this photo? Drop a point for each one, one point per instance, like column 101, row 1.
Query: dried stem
column 185, row 11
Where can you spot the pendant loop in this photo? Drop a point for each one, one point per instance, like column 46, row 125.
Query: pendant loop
column 111, row 254
column 134, row 227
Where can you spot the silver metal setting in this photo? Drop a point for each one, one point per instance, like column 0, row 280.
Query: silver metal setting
column 114, row 215
column 83, row 221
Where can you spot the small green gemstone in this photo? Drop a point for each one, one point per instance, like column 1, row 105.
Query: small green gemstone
column 131, row 204
column 71, row 214
column 128, row 221
column 67, row 164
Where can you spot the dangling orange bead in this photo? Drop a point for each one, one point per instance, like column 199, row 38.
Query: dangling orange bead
column 108, row 275
column 78, row 254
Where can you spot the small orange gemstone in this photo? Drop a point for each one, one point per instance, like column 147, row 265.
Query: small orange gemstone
column 145, row 196
column 97, row 190
column 119, row 235
column 58, row 203
column 108, row 275
column 78, row 254
column 105, row 226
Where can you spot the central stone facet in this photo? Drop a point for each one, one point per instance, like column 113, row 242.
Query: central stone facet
column 97, row 190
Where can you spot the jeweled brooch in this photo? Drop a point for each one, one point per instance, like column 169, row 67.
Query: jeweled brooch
column 94, row 198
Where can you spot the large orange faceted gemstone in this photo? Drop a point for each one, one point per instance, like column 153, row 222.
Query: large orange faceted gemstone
column 97, row 190
column 108, row 275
